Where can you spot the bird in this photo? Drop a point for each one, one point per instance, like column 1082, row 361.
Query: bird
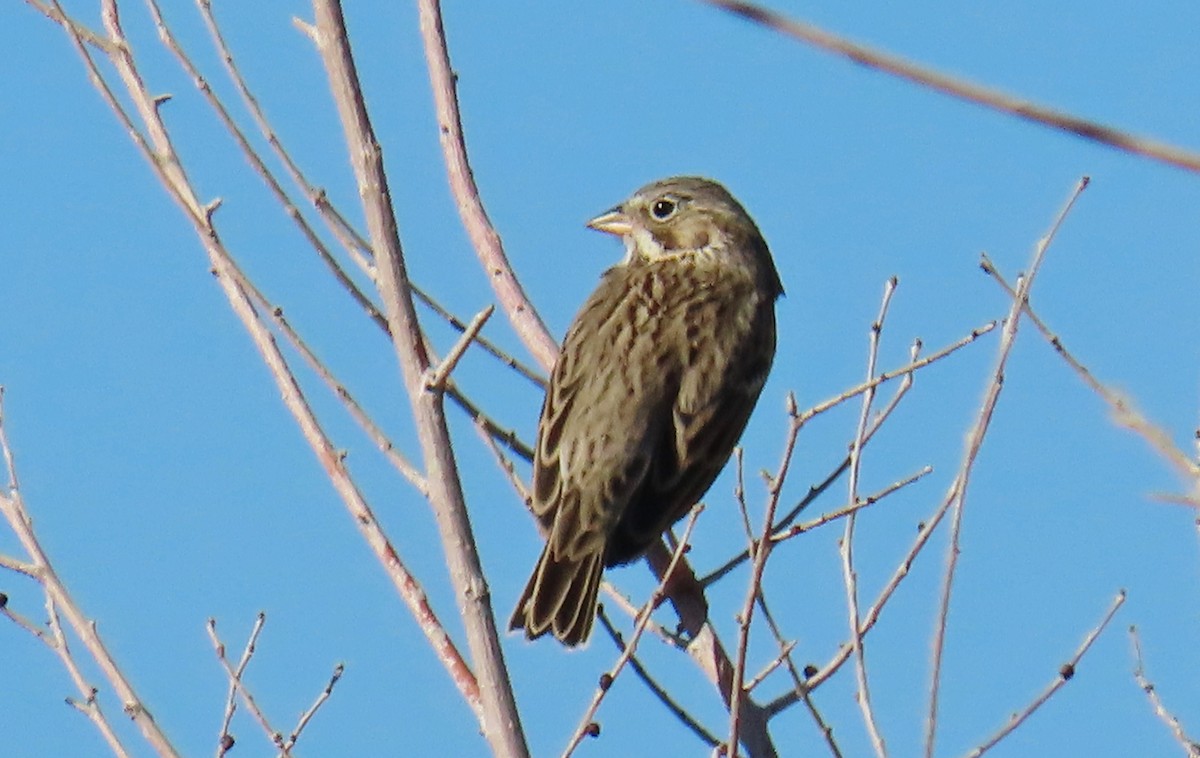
column 651, row 390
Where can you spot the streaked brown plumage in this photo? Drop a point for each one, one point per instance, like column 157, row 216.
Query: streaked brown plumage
column 653, row 387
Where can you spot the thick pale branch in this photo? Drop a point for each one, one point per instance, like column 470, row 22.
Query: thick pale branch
column 521, row 313
column 499, row 719
column 157, row 148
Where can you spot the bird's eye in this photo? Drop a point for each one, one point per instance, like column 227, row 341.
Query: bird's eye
column 663, row 208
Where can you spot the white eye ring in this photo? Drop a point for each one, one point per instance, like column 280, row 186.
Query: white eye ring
column 664, row 208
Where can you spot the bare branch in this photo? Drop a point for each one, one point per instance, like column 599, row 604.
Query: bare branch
column 587, row 725
column 903, row 371
column 770, row 668
column 225, row 740
column 657, row 689
column 849, row 575
column 760, row 550
column 237, row 684
column 365, row 422
column 438, row 377
column 1065, row 673
column 961, row 89
column 1121, row 407
column 846, row 510
column 1189, row 745
column 326, row 693
column 958, row 490
column 499, row 719
column 521, row 313
column 23, row 622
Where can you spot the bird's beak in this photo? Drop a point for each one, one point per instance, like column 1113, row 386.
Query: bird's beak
column 613, row 221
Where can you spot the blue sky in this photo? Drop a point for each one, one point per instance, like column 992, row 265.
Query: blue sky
column 169, row 484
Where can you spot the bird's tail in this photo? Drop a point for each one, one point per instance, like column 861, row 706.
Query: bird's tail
column 560, row 597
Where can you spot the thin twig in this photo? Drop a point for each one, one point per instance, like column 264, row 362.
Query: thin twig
column 903, row 371
column 770, row 668
column 339, row 389
column 1122, row 409
column 846, row 510
column 535, row 377
column 225, row 739
column 760, row 549
column 1189, row 745
column 507, row 437
column 13, row 485
column 587, row 725
column 958, row 490
column 439, row 375
column 324, row 696
column 1065, row 673
column 37, row 631
column 655, row 688
column 236, row 683
column 849, row 575
column 739, row 481
column 506, row 465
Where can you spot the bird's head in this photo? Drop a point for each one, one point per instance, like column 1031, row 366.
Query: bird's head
column 686, row 217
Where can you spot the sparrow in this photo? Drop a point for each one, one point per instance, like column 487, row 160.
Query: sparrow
column 652, row 388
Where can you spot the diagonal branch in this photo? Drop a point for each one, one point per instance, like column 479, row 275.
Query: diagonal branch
column 958, row 489
column 499, row 719
column 961, row 89
column 587, row 726
column 1066, row 672
column 521, row 313
column 1122, row 408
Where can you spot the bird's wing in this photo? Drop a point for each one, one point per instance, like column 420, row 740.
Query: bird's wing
column 712, row 405
column 598, row 432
